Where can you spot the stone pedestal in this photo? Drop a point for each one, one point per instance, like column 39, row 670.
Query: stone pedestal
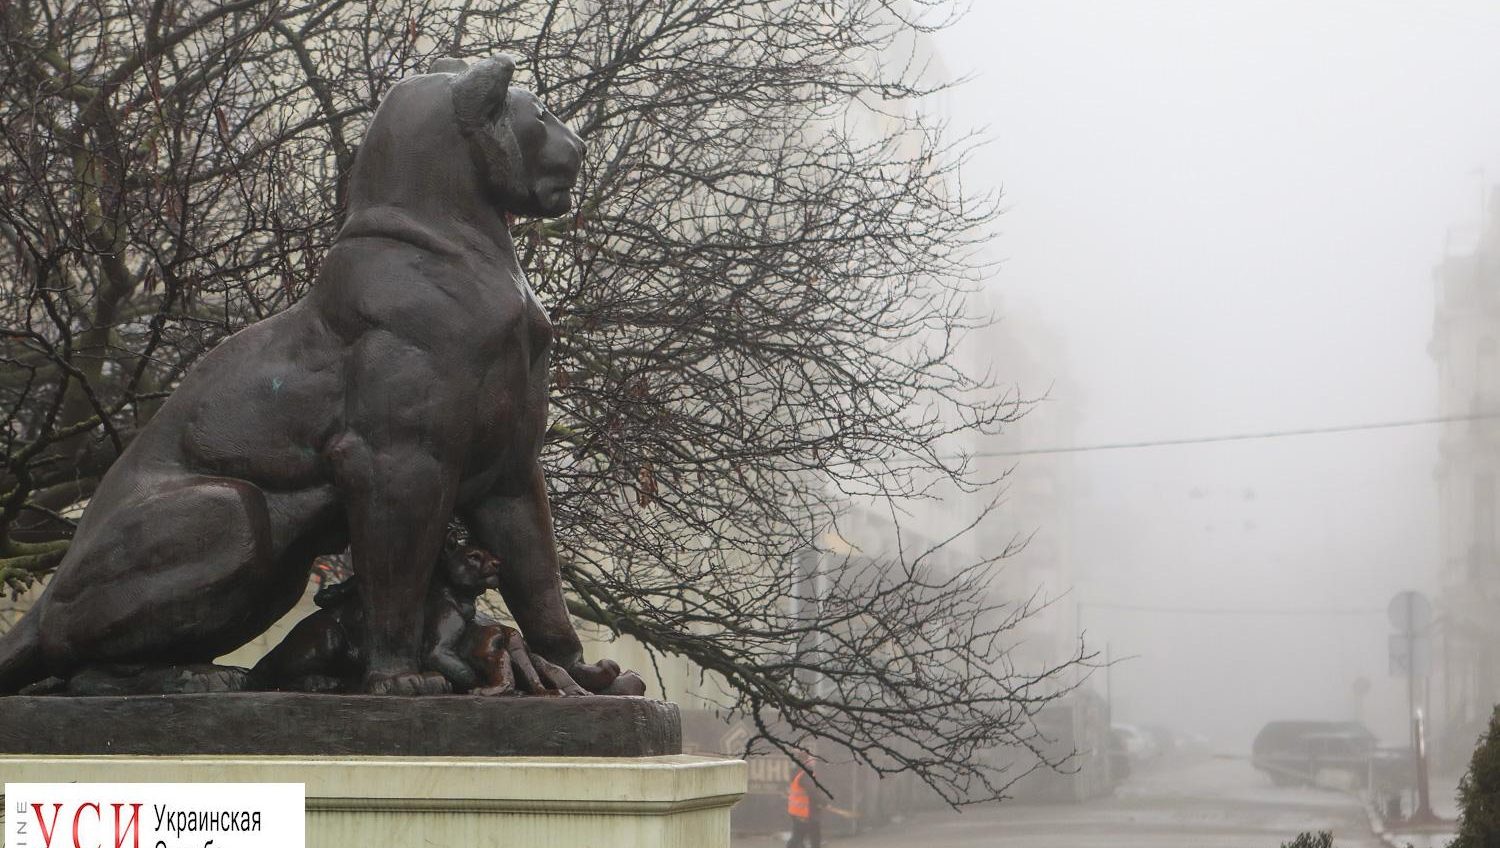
column 587, row 772
column 672, row 801
column 285, row 723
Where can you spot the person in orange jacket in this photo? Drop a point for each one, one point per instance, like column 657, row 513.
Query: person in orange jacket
column 804, row 803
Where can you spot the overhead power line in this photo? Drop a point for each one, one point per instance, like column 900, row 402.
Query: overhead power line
column 1243, row 437
column 1232, row 610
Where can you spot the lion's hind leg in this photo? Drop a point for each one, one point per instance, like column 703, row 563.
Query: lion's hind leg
column 186, row 679
column 176, row 576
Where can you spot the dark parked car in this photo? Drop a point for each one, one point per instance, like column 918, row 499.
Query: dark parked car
column 1293, row 752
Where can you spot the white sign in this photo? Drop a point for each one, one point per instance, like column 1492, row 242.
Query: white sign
column 154, row 815
column 1402, row 661
column 1410, row 612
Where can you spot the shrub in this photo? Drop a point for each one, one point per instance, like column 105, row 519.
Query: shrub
column 1479, row 793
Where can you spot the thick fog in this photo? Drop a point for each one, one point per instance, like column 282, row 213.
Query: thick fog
column 1223, row 218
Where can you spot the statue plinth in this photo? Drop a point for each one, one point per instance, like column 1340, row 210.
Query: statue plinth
column 394, row 802
column 390, row 771
column 282, row 723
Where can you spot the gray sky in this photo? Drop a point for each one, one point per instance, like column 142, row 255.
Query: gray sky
column 1228, row 213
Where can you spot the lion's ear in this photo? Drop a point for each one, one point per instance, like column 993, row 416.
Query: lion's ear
column 479, row 92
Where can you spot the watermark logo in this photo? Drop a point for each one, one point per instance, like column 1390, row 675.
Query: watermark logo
column 154, row 815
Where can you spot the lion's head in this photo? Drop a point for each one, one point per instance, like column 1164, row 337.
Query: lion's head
column 461, row 147
column 529, row 159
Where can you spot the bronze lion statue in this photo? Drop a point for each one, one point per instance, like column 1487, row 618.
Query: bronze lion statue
column 409, row 386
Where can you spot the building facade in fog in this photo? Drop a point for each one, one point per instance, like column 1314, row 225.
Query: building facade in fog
column 1466, row 346
column 1041, row 489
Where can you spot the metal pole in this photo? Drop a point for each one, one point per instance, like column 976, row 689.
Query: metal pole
column 1411, row 685
column 1424, row 794
column 1448, row 713
column 1078, row 671
column 1422, row 816
column 1109, row 687
column 1411, row 665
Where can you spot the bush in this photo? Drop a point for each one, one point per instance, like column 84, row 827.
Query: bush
column 1321, row 839
column 1479, row 793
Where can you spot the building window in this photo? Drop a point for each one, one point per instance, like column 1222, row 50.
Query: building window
column 1485, row 390
column 1484, row 516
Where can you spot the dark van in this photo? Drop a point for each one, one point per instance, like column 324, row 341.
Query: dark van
column 1293, row 752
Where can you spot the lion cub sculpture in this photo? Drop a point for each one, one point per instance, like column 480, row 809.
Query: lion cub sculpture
column 325, row 652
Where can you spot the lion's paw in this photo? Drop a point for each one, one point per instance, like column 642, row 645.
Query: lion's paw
column 408, row 683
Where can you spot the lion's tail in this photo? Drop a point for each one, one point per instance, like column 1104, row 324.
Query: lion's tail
column 21, row 655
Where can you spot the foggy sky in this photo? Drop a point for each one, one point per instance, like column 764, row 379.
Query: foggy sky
column 1228, row 213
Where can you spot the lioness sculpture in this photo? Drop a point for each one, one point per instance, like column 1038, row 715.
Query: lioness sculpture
column 410, row 384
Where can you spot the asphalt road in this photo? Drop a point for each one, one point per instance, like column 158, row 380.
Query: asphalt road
column 1199, row 804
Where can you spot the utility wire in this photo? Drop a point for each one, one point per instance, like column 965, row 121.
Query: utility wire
column 1243, row 437
column 1231, row 611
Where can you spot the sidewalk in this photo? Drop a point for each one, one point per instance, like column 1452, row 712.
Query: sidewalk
column 1444, row 804
column 1204, row 804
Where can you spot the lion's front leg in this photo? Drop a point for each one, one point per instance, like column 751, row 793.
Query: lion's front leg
column 399, row 500
column 521, row 526
column 517, row 524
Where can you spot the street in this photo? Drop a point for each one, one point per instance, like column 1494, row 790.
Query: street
column 1201, row 804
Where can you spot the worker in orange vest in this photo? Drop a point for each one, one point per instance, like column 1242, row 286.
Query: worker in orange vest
column 804, row 801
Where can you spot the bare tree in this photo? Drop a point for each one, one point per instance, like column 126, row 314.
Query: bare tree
column 757, row 305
